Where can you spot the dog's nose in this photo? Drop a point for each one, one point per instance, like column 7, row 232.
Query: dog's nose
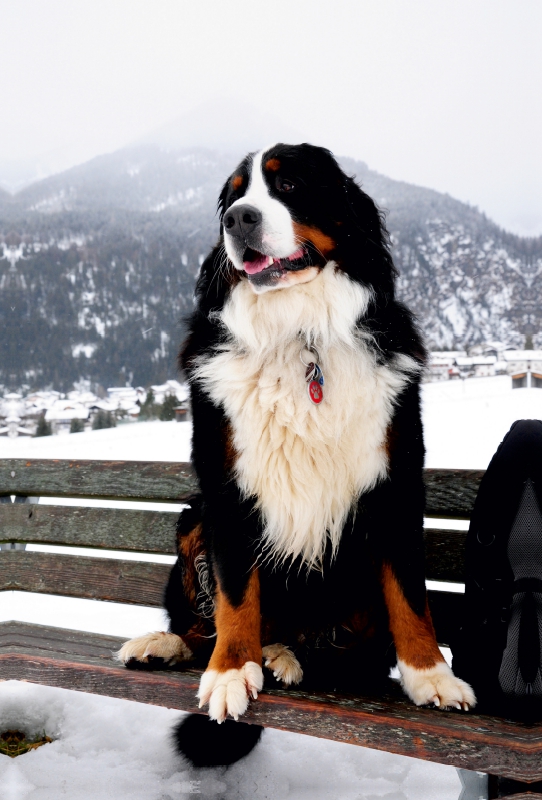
column 242, row 220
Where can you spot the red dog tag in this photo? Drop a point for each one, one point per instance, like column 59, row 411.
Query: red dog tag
column 315, row 392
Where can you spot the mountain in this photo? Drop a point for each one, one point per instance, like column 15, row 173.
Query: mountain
column 468, row 281
column 99, row 264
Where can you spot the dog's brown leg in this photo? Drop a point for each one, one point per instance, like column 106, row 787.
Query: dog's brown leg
column 425, row 676
column 234, row 673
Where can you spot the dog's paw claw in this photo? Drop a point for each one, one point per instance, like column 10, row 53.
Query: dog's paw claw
column 229, row 692
column 168, row 646
column 437, row 685
column 283, row 664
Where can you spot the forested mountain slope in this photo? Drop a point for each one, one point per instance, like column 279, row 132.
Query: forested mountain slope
column 99, row 265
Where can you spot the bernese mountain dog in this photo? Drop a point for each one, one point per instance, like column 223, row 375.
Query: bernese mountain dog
column 304, row 553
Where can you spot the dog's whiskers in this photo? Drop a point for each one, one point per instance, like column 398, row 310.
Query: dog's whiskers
column 222, row 268
column 304, row 243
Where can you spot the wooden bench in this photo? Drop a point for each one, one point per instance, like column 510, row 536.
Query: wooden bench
column 510, row 752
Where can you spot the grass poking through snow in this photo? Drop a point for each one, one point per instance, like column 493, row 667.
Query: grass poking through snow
column 15, row 743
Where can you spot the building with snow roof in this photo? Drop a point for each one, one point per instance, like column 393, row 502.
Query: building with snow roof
column 62, row 412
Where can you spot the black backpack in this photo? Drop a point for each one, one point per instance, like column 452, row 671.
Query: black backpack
column 498, row 648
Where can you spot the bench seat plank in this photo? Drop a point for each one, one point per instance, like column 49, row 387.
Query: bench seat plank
column 116, row 580
column 26, row 636
column 84, row 661
column 111, row 528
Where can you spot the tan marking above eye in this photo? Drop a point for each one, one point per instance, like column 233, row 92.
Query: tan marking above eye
column 237, row 181
column 305, row 233
column 273, row 165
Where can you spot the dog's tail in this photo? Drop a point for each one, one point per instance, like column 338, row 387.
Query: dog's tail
column 206, row 744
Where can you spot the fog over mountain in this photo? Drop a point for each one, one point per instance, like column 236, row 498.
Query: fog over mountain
column 99, row 262
column 224, row 125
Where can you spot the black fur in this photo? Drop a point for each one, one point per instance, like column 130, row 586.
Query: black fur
column 336, row 621
column 206, row 744
column 333, row 202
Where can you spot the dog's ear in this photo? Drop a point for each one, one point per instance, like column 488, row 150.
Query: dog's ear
column 365, row 242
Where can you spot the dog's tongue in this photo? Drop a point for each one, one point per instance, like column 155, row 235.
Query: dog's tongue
column 262, row 262
column 259, row 263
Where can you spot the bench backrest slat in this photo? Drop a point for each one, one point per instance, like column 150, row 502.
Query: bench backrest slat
column 110, row 528
column 445, row 555
column 124, row 480
column 450, row 493
column 154, row 532
column 141, row 583
column 117, row 580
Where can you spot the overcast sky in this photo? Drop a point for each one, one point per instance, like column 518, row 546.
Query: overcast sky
column 442, row 93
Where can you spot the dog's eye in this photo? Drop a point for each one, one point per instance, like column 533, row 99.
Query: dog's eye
column 284, row 186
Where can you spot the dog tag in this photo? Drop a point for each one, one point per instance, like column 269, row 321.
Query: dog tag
column 314, row 378
column 315, row 392
column 318, row 375
column 310, row 372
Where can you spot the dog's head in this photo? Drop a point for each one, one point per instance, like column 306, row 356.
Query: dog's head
column 289, row 210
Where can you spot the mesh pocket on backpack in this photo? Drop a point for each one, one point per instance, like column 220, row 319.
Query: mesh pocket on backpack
column 520, row 671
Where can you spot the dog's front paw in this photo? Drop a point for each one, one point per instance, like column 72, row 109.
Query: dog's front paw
column 282, row 663
column 167, row 646
column 437, row 685
column 229, row 692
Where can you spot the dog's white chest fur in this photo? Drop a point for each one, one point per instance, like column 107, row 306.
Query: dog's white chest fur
column 306, row 465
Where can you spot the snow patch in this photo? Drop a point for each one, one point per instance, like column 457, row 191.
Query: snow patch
column 87, row 350
column 109, row 749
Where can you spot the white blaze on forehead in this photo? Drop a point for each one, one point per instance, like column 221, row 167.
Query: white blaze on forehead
column 278, row 238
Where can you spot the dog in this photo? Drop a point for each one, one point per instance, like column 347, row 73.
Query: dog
column 304, row 552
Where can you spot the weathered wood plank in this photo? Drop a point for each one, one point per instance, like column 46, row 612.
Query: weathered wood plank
column 61, row 641
column 154, row 532
column 389, row 723
column 445, row 555
column 451, row 492
column 130, row 480
column 507, row 789
column 112, row 528
column 522, row 796
column 137, row 582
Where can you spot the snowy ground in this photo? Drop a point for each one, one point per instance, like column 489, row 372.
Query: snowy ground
column 106, row 748
column 464, row 422
column 132, row 441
